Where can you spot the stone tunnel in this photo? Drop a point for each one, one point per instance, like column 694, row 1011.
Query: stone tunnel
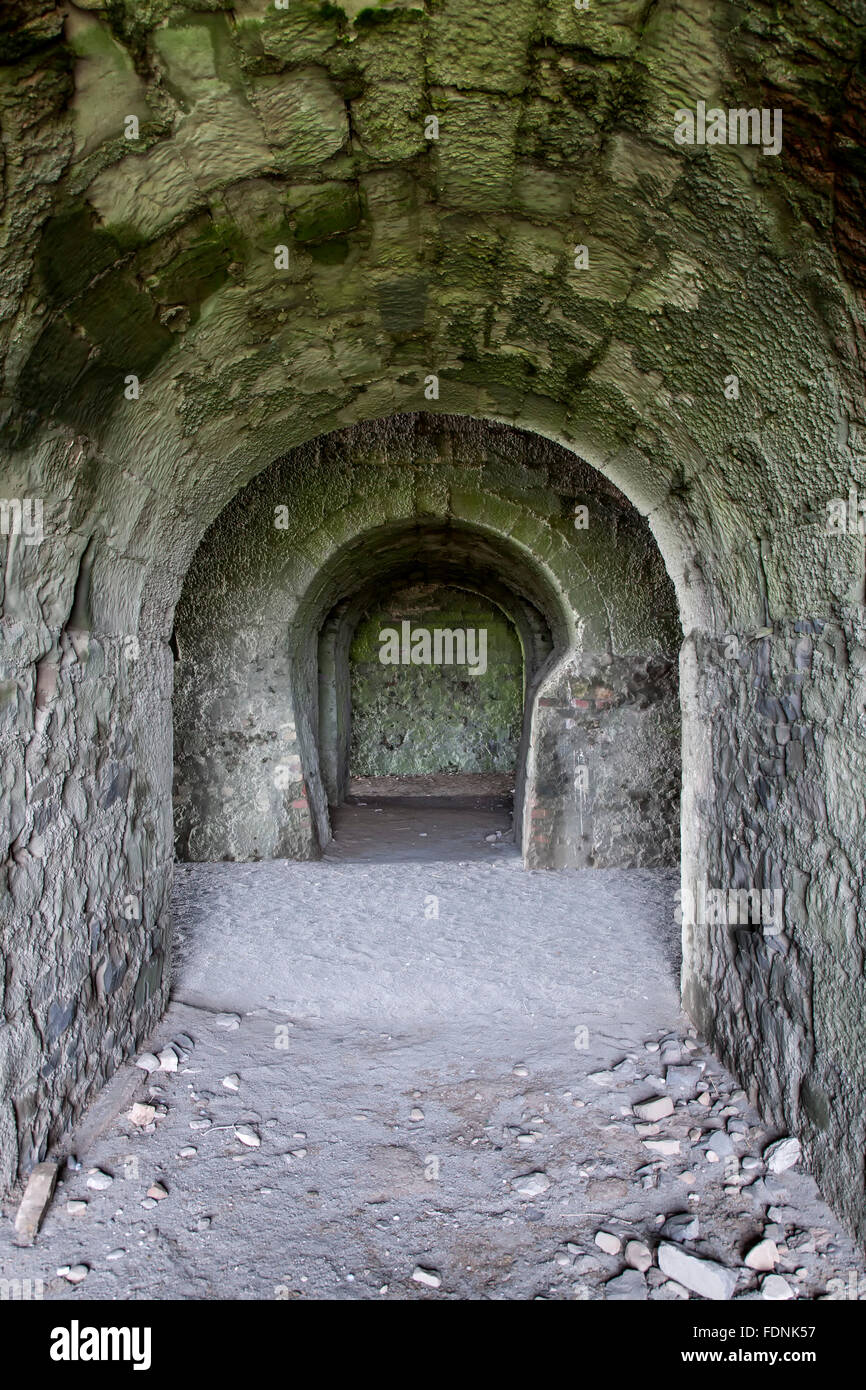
column 321, row 320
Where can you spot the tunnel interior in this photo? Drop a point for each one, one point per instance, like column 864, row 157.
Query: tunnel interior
column 264, row 334
column 581, row 667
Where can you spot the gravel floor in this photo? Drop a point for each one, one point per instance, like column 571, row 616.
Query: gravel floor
column 413, row 1077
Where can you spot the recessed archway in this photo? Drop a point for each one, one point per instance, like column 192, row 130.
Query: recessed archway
column 561, row 552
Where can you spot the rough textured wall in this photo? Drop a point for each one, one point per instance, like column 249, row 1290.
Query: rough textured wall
column 408, row 720
column 408, row 257
column 789, row 772
column 435, row 500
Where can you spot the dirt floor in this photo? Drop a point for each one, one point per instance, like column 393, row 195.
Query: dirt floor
column 409, row 1071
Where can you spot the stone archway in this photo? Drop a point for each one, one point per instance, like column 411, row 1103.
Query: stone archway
column 487, row 507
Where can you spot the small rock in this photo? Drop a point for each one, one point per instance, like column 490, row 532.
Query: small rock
column 638, row 1256
column 656, row 1108
column 227, row 1021
column 750, row 1164
column 147, row 1062
column 720, row 1144
column 763, row 1256
column 428, row 1277
column 77, row 1274
column 188, row 1151
column 75, row 1206
column 232, row 1082
column 157, row 1192
column 520, row 1070
column 203, row 1223
column 775, row 1288
column 704, row 1277
column 99, row 1181
column 608, row 1242
column 200, row 1124
column 646, row 1130
column 666, row 1147
column 532, row 1184
column 247, row 1135
column 34, row 1203
column 168, row 1059
column 148, row 1203
column 683, row 1225
column 141, row 1115
column 117, row 1254
column 416, row 1114
column 629, row 1286
column 782, row 1155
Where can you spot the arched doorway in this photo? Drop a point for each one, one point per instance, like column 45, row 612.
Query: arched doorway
column 279, row 586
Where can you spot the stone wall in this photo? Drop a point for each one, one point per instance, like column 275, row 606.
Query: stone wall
column 408, row 720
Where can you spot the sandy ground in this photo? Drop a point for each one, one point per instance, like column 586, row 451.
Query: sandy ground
column 415, row 1059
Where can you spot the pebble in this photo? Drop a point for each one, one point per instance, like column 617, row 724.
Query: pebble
column 188, row 1152
column 646, row 1130
column 638, row 1256
column 416, row 1114
column 200, row 1124
column 99, row 1181
column 763, row 1255
column 428, row 1277
column 247, row 1135
column 168, row 1059
column 232, row 1082
column 751, row 1164
column 74, row 1206
column 141, row 1114
column 666, row 1147
column 775, row 1288
column 77, row 1274
column 157, row 1192
column 203, row 1223
column 656, row 1108
column 227, row 1021
column 608, row 1242
column 117, row 1254
column 683, row 1225
column 782, row 1155
column 520, row 1071
column 148, row 1203
column 629, row 1286
column 147, row 1062
column 532, row 1184
column 720, row 1144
